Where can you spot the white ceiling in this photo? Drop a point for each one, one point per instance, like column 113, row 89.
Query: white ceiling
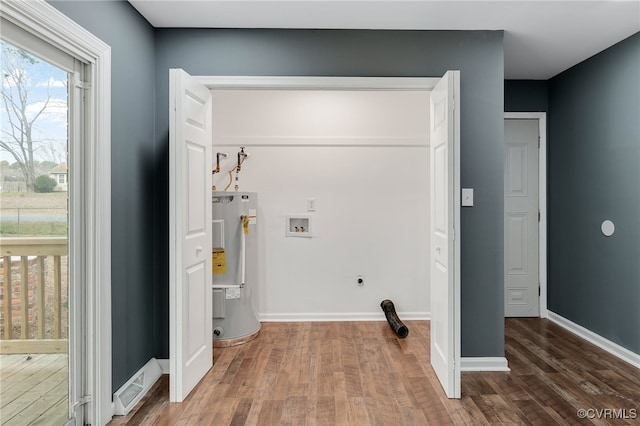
column 542, row 38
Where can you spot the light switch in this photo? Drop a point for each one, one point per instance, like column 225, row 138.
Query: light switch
column 467, row 197
column 311, row 204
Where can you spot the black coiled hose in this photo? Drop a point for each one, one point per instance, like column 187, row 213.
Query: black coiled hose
column 392, row 318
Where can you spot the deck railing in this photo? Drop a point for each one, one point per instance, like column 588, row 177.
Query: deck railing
column 34, row 301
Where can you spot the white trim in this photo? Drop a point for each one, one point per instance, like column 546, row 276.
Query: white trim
column 457, row 229
column 542, row 201
column 318, row 83
column 321, row 141
column 47, row 23
column 23, row 39
column 342, row 316
column 601, row 342
column 484, row 364
column 175, row 247
column 78, row 293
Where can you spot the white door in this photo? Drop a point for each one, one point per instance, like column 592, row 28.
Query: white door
column 445, row 254
column 190, row 136
column 521, row 295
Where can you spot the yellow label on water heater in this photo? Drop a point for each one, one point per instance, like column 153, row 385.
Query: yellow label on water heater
column 219, row 261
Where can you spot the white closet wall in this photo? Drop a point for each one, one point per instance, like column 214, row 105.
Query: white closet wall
column 363, row 156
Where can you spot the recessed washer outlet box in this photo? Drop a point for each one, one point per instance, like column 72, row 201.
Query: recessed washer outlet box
column 298, row 226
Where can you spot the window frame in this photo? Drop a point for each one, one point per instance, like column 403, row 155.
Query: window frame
column 93, row 231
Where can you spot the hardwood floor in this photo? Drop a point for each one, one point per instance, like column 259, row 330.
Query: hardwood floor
column 359, row 373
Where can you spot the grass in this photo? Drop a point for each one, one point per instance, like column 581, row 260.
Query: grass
column 33, row 229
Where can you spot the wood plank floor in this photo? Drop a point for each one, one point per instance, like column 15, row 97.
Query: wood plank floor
column 34, row 389
column 359, row 373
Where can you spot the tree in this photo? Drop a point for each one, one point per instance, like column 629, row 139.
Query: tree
column 21, row 108
column 44, row 183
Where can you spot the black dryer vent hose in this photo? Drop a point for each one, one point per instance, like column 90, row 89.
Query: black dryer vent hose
column 392, row 318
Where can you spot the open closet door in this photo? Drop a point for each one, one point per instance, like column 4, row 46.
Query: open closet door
column 190, row 316
column 445, row 223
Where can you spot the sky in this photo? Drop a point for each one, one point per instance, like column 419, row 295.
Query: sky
column 42, row 80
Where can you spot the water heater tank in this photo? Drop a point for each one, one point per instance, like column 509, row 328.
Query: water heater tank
column 235, row 274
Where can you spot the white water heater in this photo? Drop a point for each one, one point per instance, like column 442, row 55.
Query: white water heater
column 235, row 268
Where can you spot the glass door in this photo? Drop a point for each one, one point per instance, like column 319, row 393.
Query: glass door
column 36, row 296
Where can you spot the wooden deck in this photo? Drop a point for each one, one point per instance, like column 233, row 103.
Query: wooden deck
column 359, row 373
column 33, row 389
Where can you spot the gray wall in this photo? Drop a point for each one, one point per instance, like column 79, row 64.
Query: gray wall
column 526, row 96
column 132, row 176
column 594, row 174
column 374, row 53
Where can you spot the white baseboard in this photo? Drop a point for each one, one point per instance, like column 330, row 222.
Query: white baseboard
column 342, row 316
column 164, row 365
column 601, row 342
column 484, row 364
column 129, row 394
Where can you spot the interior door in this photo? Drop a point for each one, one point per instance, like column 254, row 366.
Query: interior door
column 190, row 315
column 521, row 218
column 445, row 254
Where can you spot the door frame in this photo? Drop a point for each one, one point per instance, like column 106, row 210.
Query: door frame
column 541, row 117
column 91, row 233
column 358, row 83
column 318, row 83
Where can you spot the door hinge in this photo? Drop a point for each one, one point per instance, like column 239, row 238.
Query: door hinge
column 538, row 216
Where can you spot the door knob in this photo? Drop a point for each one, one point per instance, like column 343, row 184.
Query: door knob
column 198, row 250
